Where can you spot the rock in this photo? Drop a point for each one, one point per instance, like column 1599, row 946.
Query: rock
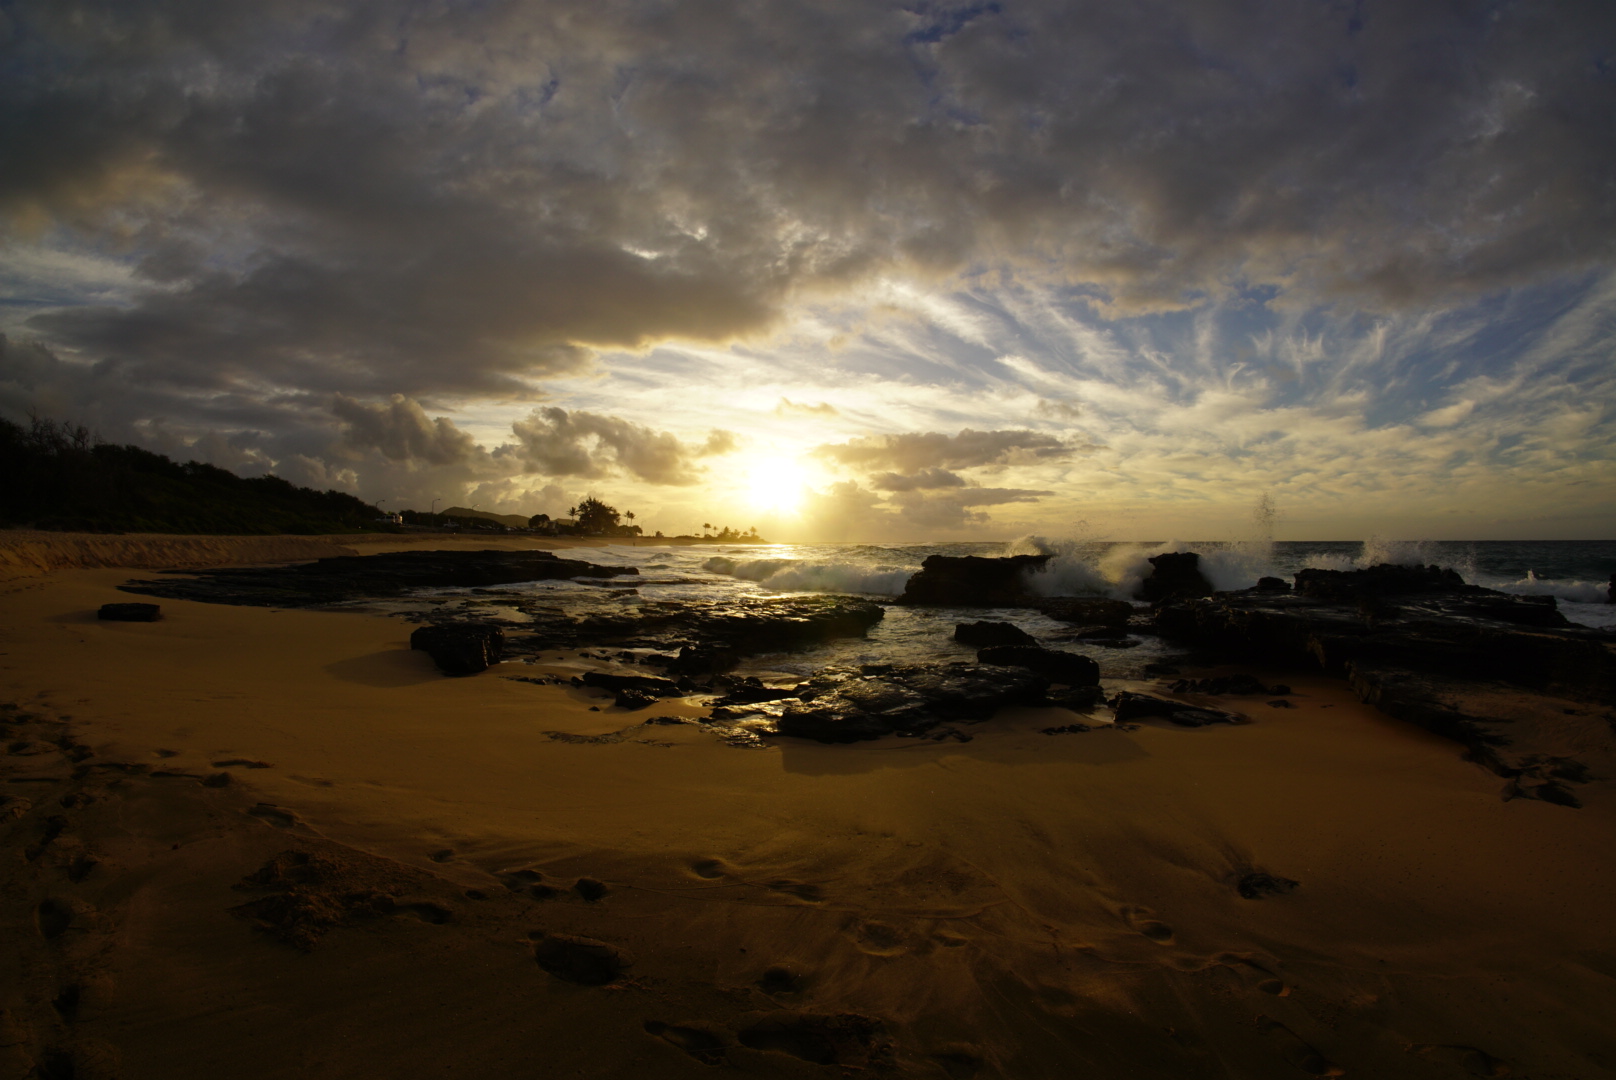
column 1175, row 574
column 580, row 959
column 1270, row 585
column 1227, row 684
column 706, row 659
column 460, row 648
column 645, row 684
column 1385, row 579
column 629, row 698
column 973, row 581
column 1257, row 885
column 1131, row 706
column 355, row 577
column 840, row 705
column 984, row 633
column 1055, row 665
column 1088, row 612
column 130, row 612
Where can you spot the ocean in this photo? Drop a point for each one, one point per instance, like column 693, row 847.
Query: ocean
column 1575, row 573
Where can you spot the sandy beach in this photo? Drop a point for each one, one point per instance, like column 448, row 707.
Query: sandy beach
column 1020, row 906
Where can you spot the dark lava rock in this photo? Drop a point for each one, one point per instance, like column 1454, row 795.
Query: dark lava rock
column 629, row 698
column 1256, row 885
column 984, row 633
column 130, row 612
column 840, row 705
column 706, row 659
column 646, row 684
column 1066, row 729
column 1077, row 698
column 1130, row 707
column 749, row 691
column 1088, row 612
column 1502, row 675
column 1227, row 684
column 1055, row 665
column 460, row 648
column 972, row 581
column 358, row 577
column 1270, row 585
column 580, row 959
column 1175, row 574
column 1385, row 579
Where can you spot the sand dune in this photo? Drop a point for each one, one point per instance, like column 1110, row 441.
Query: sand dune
column 258, row 843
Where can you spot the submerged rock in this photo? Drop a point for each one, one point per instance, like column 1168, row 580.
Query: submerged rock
column 991, row 633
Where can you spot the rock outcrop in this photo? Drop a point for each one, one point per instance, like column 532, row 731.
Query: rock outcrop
column 973, row 581
column 1175, row 575
column 1073, row 669
column 364, row 577
column 847, row 705
column 1505, row 676
column 460, row 648
column 981, row 634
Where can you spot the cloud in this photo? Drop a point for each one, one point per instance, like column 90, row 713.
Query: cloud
column 787, row 407
column 910, row 453
column 401, row 430
column 924, row 479
column 558, row 443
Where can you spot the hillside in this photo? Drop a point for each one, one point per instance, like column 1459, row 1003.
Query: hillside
column 58, row 477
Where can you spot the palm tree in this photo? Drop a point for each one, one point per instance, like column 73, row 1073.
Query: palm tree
column 630, row 515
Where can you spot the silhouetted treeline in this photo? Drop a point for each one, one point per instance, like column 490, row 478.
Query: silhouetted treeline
column 59, row 476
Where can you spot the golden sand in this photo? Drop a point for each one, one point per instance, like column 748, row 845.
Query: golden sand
column 1019, row 906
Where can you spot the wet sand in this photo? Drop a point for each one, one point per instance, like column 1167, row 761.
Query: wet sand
column 1019, row 906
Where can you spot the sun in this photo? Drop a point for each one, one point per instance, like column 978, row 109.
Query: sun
column 776, row 484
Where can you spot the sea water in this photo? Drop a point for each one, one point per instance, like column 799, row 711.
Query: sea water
column 1575, row 573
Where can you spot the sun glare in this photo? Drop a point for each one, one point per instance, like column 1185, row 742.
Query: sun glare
column 776, row 484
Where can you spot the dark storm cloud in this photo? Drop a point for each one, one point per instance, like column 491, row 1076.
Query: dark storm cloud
column 402, row 431
column 386, row 197
column 555, row 442
column 916, row 454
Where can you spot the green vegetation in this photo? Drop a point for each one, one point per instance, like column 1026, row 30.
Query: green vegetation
column 59, row 476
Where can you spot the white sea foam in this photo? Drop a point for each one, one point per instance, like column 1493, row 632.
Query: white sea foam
column 796, row 575
column 1582, row 592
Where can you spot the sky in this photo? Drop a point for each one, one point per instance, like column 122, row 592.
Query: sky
column 841, row 271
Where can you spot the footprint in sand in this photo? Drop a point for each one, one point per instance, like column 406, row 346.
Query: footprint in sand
column 1296, row 1051
column 780, row 979
column 1469, row 1058
column 1139, row 919
column 53, row 917
column 959, row 1060
column 711, row 869
column 277, row 816
column 878, row 939
column 802, row 890
column 707, row 1047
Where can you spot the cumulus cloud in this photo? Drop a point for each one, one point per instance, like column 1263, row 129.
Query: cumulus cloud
column 912, row 452
column 556, row 442
column 401, row 430
column 922, row 480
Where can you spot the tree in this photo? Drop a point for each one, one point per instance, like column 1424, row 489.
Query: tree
column 595, row 518
column 538, row 521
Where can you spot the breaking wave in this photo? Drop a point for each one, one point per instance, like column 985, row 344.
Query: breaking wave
column 798, row 575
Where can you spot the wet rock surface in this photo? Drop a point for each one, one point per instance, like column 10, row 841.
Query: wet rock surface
column 1073, row 669
column 1175, row 574
column 973, row 581
column 1526, row 693
column 363, row 577
column 986, row 633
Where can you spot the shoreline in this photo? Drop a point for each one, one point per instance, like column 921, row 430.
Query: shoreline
column 1020, row 906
